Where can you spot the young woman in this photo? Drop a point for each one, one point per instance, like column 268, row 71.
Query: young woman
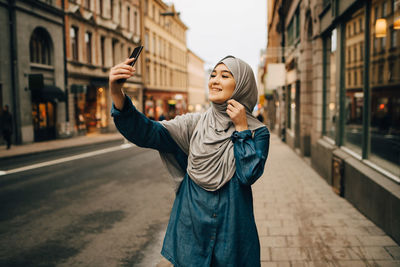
column 214, row 158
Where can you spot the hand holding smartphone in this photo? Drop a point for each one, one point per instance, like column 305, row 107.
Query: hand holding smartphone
column 135, row 54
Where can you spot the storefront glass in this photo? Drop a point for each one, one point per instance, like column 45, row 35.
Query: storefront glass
column 385, row 85
column 331, row 95
column 353, row 81
column 44, row 120
column 292, row 89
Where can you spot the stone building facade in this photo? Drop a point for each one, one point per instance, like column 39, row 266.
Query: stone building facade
column 338, row 104
column 32, row 70
column 165, row 53
column 99, row 35
column 197, row 98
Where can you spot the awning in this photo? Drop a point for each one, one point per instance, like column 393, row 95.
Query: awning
column 51, row 92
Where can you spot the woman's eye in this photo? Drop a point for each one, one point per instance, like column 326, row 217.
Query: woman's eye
column 212, row 75
column 225, row 76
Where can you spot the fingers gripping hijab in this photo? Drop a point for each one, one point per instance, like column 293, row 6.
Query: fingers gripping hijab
column 206, row 138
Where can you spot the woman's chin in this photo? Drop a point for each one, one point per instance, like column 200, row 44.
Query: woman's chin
column 217, row 101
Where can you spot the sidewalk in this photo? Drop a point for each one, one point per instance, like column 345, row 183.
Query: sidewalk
column 302, row 222
column 38, row 147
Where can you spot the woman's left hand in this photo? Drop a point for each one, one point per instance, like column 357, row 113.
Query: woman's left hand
column 237, row 113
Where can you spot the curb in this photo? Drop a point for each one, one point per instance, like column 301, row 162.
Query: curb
column 61, row 148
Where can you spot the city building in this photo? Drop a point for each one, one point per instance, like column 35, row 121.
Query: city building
column 100, row 34
column 165, row 53
column 339, row 102
column 196, row 83
column 32, row 69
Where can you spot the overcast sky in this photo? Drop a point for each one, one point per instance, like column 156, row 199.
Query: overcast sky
column 224, row 27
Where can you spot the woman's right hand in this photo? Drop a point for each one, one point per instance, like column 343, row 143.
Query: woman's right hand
column 120, row 71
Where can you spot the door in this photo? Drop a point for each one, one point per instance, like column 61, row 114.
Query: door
column 44, row 120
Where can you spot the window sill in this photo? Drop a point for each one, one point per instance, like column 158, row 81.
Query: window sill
column 41, row 66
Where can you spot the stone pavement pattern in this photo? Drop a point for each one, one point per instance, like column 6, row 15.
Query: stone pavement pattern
column 302, row 222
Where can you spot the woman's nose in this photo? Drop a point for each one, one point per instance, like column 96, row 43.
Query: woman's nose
column 215, row 80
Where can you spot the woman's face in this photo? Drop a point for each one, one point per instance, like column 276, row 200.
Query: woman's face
column 221, row 84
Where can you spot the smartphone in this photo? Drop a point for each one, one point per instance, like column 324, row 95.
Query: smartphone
column 136, row 52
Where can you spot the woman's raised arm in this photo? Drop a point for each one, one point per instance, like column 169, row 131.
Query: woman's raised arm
column 131, row 123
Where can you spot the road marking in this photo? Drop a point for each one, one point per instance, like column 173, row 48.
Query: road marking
column 57, row 161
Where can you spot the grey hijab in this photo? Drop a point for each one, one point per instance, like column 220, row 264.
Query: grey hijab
column 206, row 138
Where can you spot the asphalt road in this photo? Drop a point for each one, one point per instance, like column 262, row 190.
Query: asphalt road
column 102, row 210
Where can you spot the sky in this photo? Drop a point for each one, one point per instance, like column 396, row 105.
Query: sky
column 218, row 28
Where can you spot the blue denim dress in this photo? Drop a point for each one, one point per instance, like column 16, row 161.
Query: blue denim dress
column 206, row 228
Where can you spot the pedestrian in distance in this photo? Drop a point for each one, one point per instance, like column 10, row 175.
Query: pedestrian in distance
column 214, row 158
column 6, row 126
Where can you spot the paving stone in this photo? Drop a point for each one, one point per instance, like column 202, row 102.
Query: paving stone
column 275, row 264
column 273, row 241
column 265, row 254
column 285, row 254
column 340, row 240
column 286, row 230
column 387, row 263
column 303, row 241
column 313, row 263
column 375, row 241
column 394, row 251
column 369, row 253
column 327, row 253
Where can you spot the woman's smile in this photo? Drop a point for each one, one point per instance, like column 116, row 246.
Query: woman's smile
column 221, row 84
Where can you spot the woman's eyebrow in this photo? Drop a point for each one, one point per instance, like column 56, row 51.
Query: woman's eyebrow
column 227, row 72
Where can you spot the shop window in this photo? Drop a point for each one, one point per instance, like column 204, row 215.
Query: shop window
column 385, row 98
column 331, row 97
column 354, row 96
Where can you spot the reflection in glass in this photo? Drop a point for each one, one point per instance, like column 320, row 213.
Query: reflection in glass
column 354, row 102
column 385, row 89
column 330, row 83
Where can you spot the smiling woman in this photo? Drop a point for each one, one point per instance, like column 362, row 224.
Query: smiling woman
column 221, row 84
column 214, row 158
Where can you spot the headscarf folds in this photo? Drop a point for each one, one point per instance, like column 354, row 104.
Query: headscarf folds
column 206, row 138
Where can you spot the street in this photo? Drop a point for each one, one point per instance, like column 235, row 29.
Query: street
column 102, row 210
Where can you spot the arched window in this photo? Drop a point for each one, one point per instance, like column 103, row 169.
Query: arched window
column 40, row 47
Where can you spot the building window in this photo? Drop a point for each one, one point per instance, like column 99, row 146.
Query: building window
column 112, row 9
column 88, row 43
column 377, row 139
column 40, row 47
column 128, row 18
column 393, row 38
column 147, row 73
column 103, row 50
column 135, row 21
column 354, row 96
column 384, row 9
column 146, row 41
column 114, row 52
column 86, row 4
column 146, row 7
column 120, row 12
column 74, row 43
column 154, row 44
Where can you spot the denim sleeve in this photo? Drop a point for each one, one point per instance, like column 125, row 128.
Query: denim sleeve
column 140, row 130
column 250, row 152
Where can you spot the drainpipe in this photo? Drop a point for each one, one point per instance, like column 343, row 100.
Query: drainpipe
column 67, row 126
column 14, row 61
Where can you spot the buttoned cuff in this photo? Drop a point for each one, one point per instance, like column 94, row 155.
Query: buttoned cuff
column 246, row 134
